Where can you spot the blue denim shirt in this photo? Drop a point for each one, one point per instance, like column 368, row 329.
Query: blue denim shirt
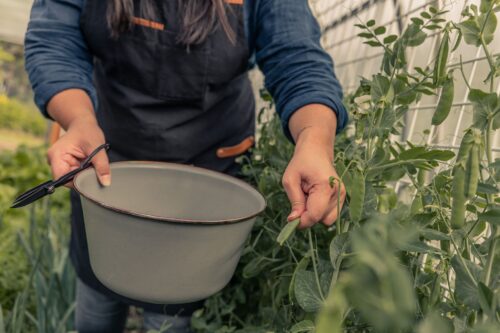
column 283, row 36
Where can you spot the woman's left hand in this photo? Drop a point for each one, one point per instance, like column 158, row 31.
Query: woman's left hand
column 307, row 177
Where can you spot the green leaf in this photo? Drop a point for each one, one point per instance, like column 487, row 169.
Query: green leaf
column 381, row 89
column 330, row 318
column 485, row 297
column 305, row 326
column 438, row 155
column 433, row 323
column 365, row 35
column 2, row 323
column 426, row 15
column 380, row 30
column 431, row 234
column 419, row 247
column 302, row 266
column 338, row 247
column 389, row 39
column 417, row 20
column 485, row 328
column 370, row 23
column 485, row 5
column 496, row 121
column 423, row 153
column 254, row 267
column 287, row 231
column 373, row 43
column 432, row 27
column 465, row 287
column 484, row 104
column 491, row 216
column 414, row 36
column 495, row 165
column 471, row 29
column 489, row 21
column 470, row 32
column 487, row 188
column 438, row 20
column 306, row 291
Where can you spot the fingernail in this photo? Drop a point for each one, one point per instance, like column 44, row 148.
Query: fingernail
column 106, row 180
column 293, row 215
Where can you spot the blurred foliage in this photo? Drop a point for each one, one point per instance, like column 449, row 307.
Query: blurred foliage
column 15, row 115
column 13, row 78
column 17, row 111
column 36, row 280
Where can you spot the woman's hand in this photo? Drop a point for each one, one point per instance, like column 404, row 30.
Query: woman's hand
column 82, row 136
column 307, row 177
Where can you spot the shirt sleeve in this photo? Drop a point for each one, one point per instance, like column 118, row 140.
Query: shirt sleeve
column 56, row 55
column 285, row 36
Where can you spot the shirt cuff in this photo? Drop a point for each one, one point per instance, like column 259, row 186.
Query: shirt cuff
column 294, row 105
column 43, row 97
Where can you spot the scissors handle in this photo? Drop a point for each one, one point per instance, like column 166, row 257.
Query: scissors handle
column 85, row 164
column 49, row 186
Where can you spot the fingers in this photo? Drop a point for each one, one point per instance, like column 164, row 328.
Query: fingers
column 60, row 164
column 74, row 163
column 317, row 206
column 293, row 189
column 101, row 165
column 65, row 156
column 323, row 205
column 337, row 202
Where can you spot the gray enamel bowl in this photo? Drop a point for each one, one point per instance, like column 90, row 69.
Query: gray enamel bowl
column 166, row 233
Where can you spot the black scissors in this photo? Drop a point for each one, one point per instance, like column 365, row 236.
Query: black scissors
column 50, row 186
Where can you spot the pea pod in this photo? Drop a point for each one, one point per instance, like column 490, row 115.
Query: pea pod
column 465, row 175
column 435, row 292
column 357, row 195
column 472, row 174
column 445, row 102
column 287, row 231
column 441, row 60
column 458, row 196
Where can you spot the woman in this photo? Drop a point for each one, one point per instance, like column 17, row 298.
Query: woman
column 166, row 80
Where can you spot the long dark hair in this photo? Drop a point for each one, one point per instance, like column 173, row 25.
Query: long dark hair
column 199, row 18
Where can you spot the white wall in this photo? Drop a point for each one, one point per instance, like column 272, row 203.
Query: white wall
column 14, row 16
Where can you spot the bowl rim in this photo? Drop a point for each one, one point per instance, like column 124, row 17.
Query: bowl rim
column 170, row 165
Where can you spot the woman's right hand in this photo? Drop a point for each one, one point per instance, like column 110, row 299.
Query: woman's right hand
column 82, row 136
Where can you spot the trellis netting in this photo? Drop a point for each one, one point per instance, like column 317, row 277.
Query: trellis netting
column 354, row 60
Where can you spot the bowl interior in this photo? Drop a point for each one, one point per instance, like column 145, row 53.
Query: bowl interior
column 172, row 192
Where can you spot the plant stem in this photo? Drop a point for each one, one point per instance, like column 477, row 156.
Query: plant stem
column 491, row 63
column 489, row 148
column 313, row 258
column 390, row 165
column 464, row 264
column 491, row 255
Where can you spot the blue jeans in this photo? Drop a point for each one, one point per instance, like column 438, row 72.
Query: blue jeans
column 98, row 313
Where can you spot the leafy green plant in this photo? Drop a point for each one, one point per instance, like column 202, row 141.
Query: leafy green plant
column 19, row 116
column 36, row 280
column 424, row 262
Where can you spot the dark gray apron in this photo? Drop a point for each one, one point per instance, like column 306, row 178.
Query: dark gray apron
column 159, row 101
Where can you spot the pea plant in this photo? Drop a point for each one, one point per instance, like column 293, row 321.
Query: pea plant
column 423, row 262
